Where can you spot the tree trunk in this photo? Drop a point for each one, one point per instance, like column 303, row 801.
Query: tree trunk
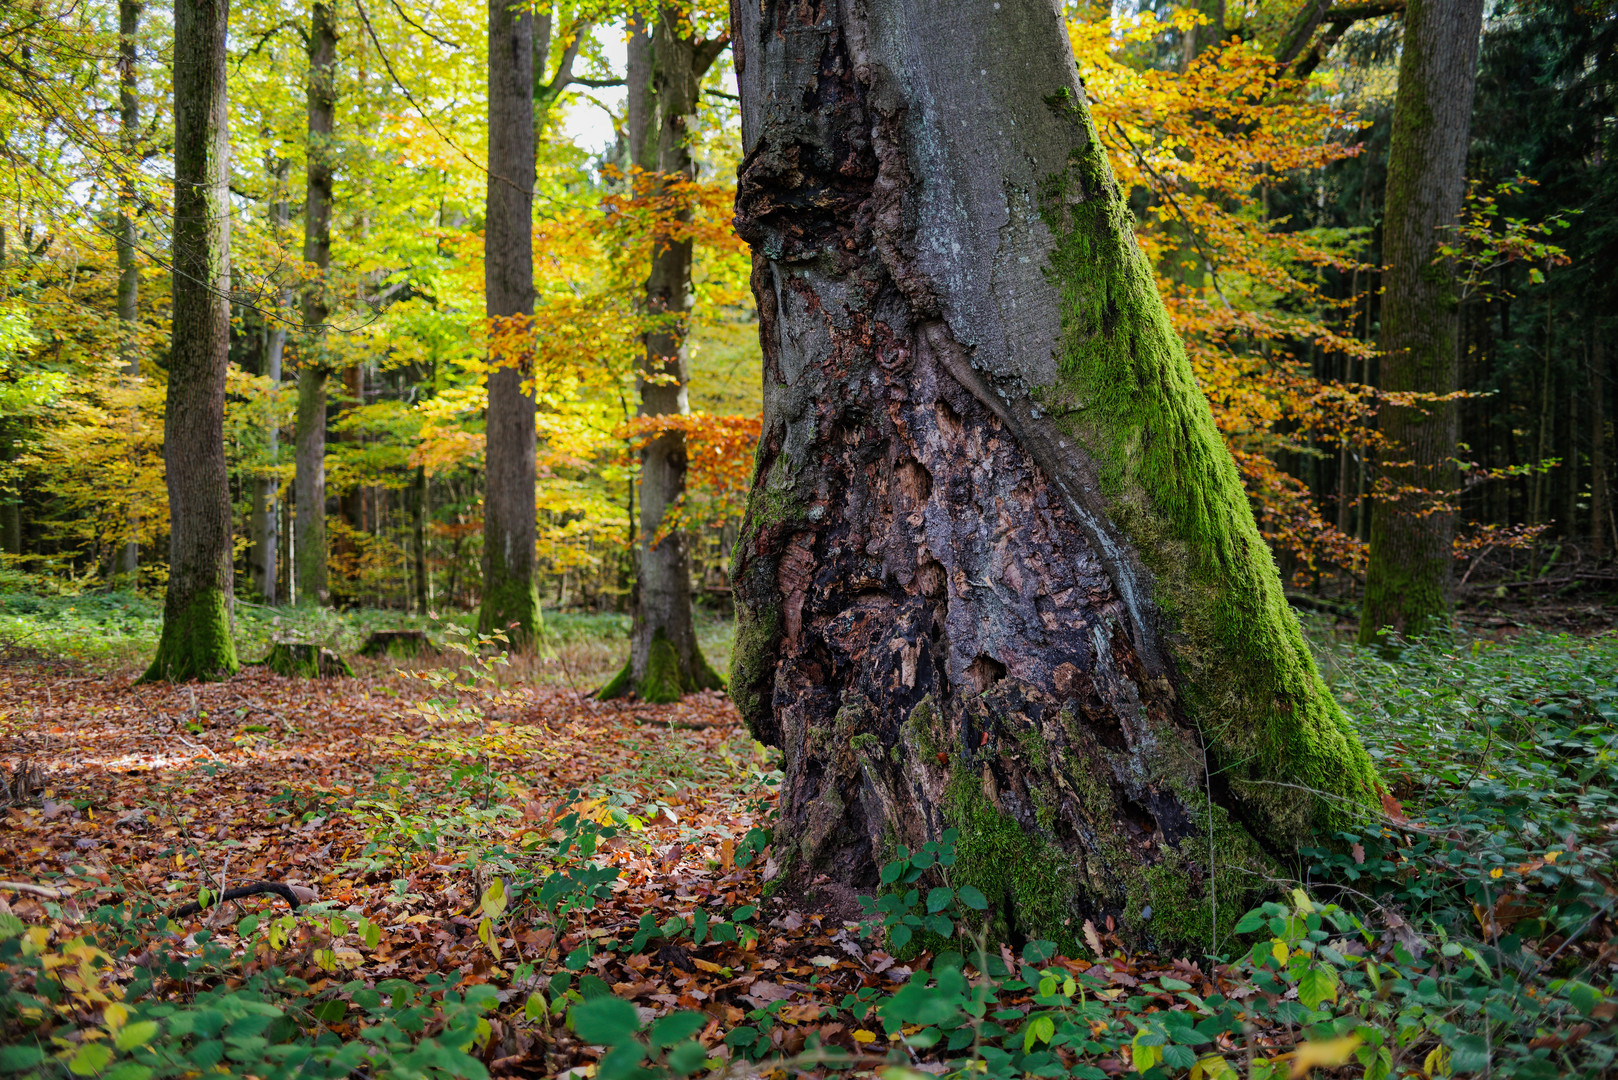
column 665, row 659
column 510, row 603
column 126, row 562
column 421, row 540
column 266, row 489
column 196, row 640
column 310, row 455
column 1599, row 493
column 998, row 572
column 1409, row 583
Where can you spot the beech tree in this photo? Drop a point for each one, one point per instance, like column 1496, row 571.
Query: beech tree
column 309, row 456
column 197, row 609
column 509, row 600
column 667, row 61
column 997, row 571
column 1409, row 582
column 126, row 561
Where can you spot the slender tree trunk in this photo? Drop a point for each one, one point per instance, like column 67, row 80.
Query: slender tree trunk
column 510, row 603
column 197, row 611
column 421, row 540
column 310, row 455
column 665, row 659
column 126, row 562
column 266, row 489
column 998, row 572
column 1409, row 584
column 1600, row 497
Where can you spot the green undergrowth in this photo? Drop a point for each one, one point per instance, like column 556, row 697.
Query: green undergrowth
column 120, row 630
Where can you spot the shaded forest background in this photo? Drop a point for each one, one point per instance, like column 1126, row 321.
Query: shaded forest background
column 1259, row 198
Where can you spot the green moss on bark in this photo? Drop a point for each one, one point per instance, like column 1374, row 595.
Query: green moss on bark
column 661, row 684
column 196, row 641
column 510, row 605
column 1126, row 393
column 1023, row 877
column 752, row 663
column 619, row 684
column 295, row 660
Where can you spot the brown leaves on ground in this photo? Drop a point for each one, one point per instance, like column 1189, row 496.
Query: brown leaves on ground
column 356, row 790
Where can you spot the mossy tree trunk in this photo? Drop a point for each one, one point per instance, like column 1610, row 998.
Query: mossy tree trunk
column 196, row 641
column 665, row 659
column 309, row 458
column 1409, row 584
column 998, row 571
column 510, row 603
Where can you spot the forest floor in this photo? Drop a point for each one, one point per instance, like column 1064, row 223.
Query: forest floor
column 494, row 863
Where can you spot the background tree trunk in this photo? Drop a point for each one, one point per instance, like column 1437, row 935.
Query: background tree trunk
column 1409, row 583
column 665, row 660
column 196, row 640
column 509, row 600
column 1599, row 494
column 998, row 571
column 266, row 489
column 310, row 455
column 126, row 562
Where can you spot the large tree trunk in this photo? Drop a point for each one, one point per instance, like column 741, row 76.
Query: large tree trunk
column 309, row 458
column 664, row 657
column 510, row 603
column 998, row 571
column 196, row 641
column 126, row 562
column 1409, row 584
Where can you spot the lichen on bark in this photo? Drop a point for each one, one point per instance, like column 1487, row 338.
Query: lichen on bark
column 993, row 530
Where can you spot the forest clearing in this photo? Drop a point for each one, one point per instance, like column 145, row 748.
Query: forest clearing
column 635, row 539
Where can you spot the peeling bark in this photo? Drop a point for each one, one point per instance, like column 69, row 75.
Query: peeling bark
column 997, row 572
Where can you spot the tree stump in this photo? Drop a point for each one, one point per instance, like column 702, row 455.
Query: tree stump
column 401, row 643
column 301, row 660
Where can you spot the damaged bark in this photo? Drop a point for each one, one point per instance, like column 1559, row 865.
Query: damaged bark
column 997, row 572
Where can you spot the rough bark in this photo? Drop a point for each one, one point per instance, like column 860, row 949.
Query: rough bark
column 309, row 458
column 510, row 602
column 665, row 659
column 196, row 640
column 997, row 570
column 126, row 562
column 1409, row 584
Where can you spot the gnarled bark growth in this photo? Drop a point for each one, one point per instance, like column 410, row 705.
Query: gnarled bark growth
column 998, row 571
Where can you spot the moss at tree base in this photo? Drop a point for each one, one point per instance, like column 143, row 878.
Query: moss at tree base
column 296, row 660
column 661, row 683
column 664, row 681
column 196, row 641
column 511, row 607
